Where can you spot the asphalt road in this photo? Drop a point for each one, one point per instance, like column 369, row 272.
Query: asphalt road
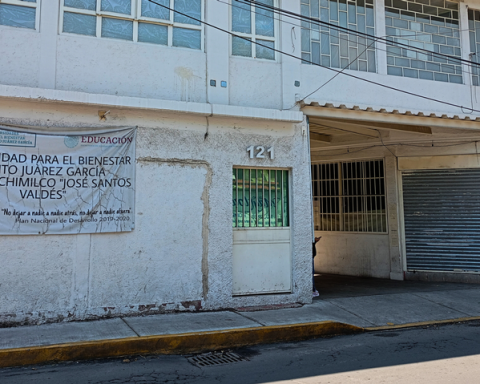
column 445, row 354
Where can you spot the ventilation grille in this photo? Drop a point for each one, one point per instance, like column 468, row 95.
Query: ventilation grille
column 216, row 358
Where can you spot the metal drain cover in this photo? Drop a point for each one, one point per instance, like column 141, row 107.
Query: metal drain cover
column 216, row 358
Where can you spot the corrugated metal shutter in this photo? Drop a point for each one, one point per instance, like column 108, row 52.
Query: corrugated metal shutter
column 442, row 219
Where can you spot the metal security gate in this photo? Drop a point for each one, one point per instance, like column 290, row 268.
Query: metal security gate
column 442, row 219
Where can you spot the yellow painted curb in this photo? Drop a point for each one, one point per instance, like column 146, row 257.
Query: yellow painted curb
column 421, row 324
column 173, row 344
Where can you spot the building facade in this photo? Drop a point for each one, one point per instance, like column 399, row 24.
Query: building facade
column 245, row 141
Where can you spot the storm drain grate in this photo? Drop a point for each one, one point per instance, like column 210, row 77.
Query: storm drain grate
column 216, row 358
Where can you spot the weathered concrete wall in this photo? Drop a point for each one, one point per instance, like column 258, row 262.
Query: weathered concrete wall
column 179, row 256
column 353, row 254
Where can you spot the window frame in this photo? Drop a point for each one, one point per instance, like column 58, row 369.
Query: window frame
column 474, row 77
column 341, row 197
column 289, row 198
column 253, row 36
column 135, row 17
column 27, row 4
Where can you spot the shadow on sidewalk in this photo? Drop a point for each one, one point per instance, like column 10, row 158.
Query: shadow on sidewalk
column 338, row 286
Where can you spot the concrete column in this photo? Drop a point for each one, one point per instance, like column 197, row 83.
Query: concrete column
column 381, row 47
column 465, row 42
column 290, row 42
column 49, row 16
column 217, row 47
column 396, row 267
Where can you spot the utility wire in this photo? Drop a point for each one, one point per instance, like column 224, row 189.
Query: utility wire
column 319, row 65
column 385, row 40
column 340, row 37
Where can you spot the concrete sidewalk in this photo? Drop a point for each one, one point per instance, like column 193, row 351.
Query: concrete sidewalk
column 346, row 305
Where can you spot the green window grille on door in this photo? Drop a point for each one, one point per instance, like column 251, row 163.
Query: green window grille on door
column 260, row 198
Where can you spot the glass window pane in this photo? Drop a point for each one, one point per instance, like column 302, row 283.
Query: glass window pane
column 17, row 16
column 117, row 6
column 156, row 11
column 78, row 23
column 264, row 19
column 264, row 52
column 152, row 33
column 191, row 8
column 241, row 47
column 91, row 5
column 117, row 29
column 188, row 38
column 241, row 17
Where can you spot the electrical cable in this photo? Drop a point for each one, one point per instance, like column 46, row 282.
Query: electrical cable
column 230, row 4
column 319, row 65
column 385, row 40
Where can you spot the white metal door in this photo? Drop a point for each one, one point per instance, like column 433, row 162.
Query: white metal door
column 261, row 231
column 261, row 261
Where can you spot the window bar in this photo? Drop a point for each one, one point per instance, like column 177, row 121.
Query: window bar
column 276, row 199
column 357, row 196
column 364, row 193
column 346, row 199
column 377, row 193
column 374, row 192
column 249, row 197
column 329, row 189
column 269, row 172
column 235, row 173
column 244, row 197
column 263, row 199
column 324, row 199
column 253, row 206
column 287, row 196
column 321, row 199
column 340, row 194
column 384, row 216
column 241, row 209
column 259, row 200
column 281, row 197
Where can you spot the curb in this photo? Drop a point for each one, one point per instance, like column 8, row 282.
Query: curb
column 421, row 323
column 173, row 344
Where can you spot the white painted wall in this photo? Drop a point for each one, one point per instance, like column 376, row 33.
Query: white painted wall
column 179, row 257
column 353, row 254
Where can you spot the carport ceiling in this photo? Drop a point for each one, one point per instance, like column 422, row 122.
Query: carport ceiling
column 325, row 132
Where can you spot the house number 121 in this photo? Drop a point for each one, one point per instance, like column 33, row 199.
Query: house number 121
column 259, row 152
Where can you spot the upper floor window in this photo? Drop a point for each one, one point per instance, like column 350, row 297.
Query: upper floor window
column 330, row 47
column 19, row 13
column 432, row 25
column 474, row 30
column 136, row 20
column 256, row 25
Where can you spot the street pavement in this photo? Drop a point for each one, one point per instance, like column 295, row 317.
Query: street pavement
column 430, row 354
column 366, row 303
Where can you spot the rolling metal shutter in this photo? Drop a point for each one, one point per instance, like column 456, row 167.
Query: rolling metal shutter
column 442, row 219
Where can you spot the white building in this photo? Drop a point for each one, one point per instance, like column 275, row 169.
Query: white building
column 221, row 119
